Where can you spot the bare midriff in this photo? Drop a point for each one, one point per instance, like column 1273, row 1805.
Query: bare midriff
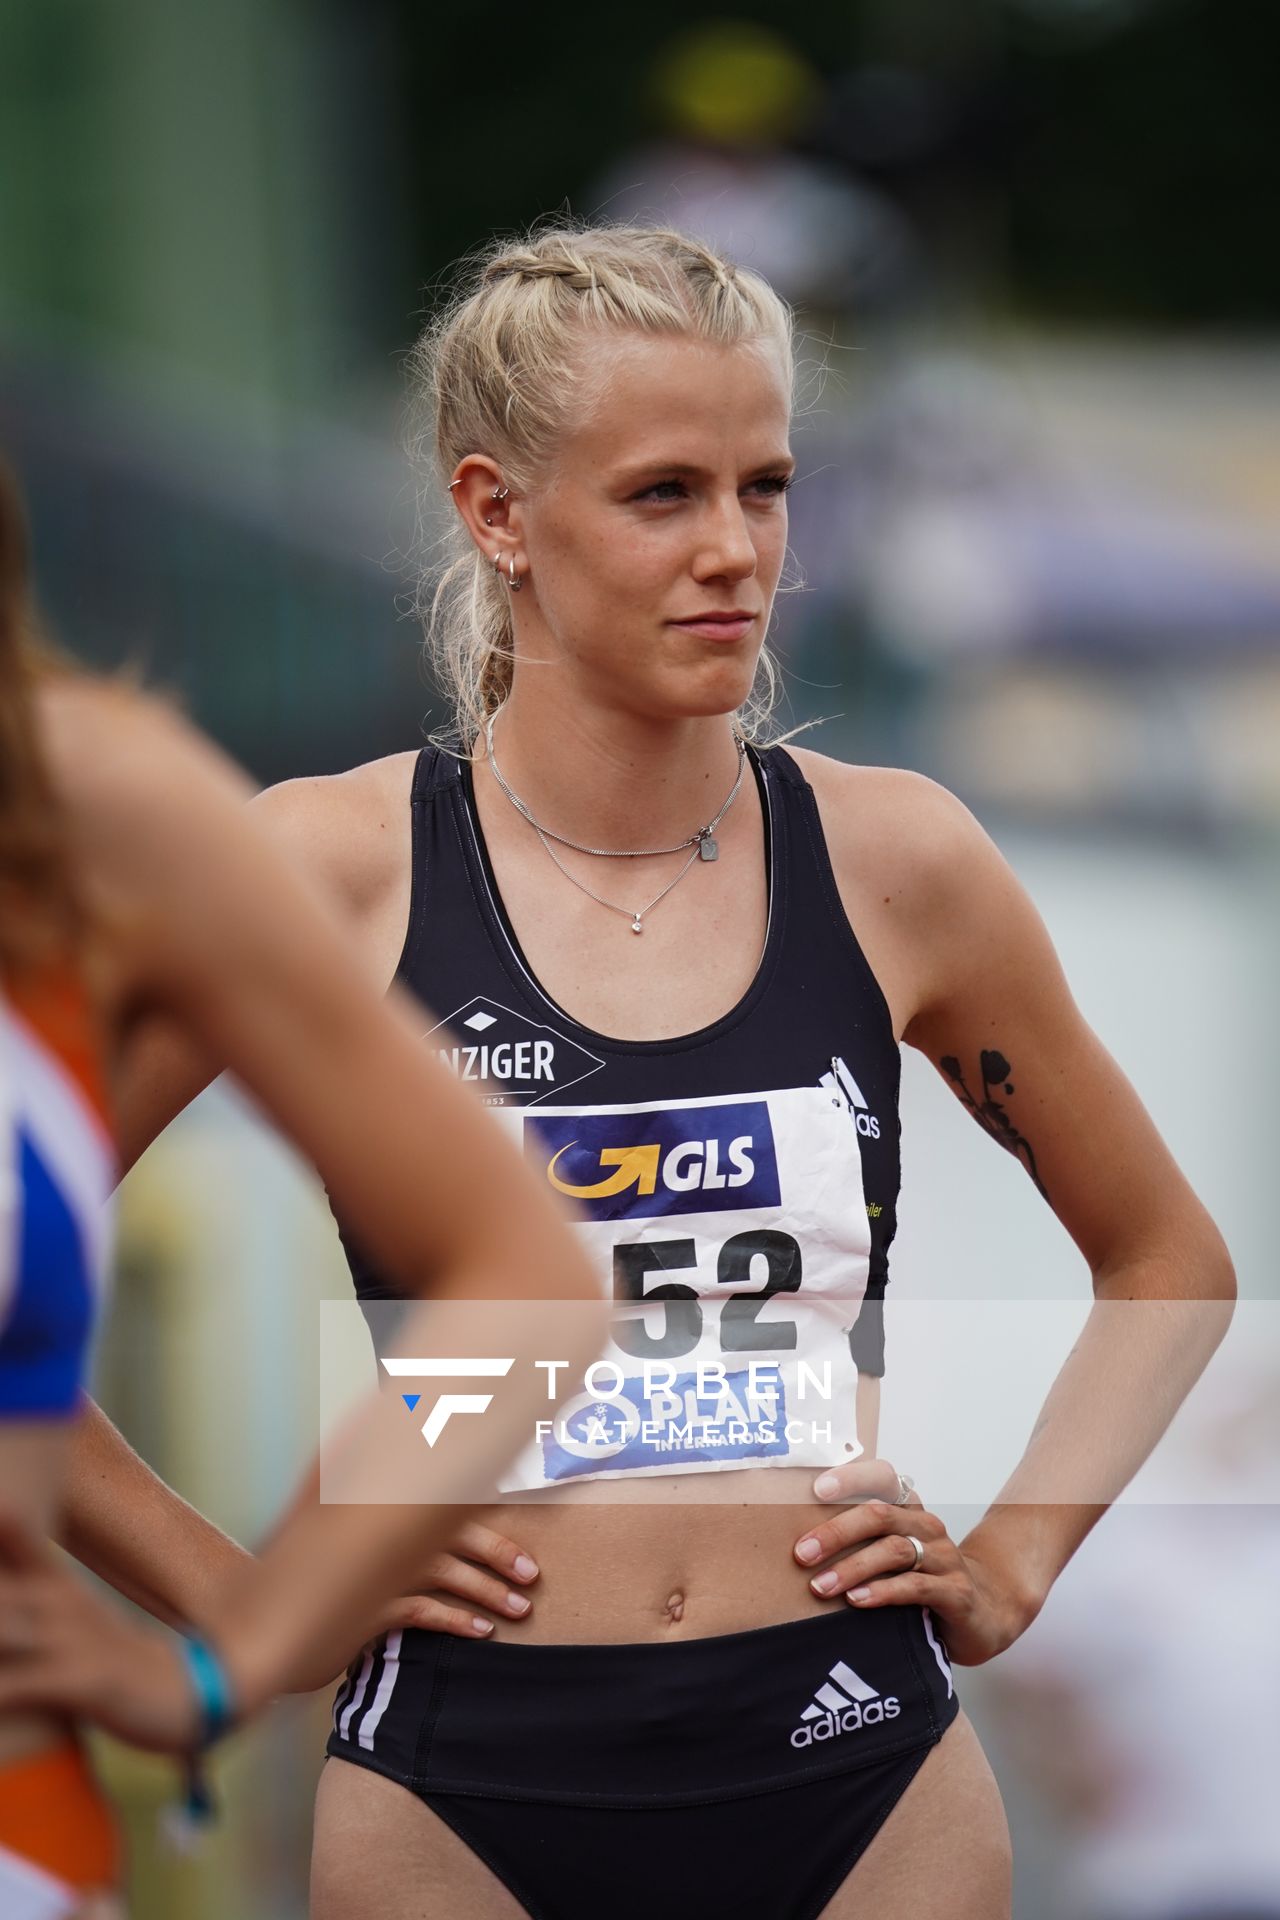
column 676, row 1558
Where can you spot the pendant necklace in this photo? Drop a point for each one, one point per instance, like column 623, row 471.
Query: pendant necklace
column 703, row 843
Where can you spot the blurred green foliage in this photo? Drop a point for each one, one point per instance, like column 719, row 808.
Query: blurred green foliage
column 220, row 226
column 1123, row 151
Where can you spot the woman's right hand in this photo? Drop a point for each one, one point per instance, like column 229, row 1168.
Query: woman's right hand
column 64, row 1649
column 482, row 1568
column 478, row 1568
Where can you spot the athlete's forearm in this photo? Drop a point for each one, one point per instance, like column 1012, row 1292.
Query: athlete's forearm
column 317, row 1586
column 1154, row 1325
column 122, row 1521
column 868, row 1413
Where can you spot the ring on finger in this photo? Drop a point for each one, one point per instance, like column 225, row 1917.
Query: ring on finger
column 918, row 1549
column 906, row 1487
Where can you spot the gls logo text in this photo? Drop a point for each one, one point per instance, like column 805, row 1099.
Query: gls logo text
column 424, row 1367
column 623, row 1166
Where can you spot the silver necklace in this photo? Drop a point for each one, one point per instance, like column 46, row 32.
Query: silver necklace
column 704, row 843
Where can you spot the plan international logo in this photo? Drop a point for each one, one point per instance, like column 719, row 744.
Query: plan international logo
column 624, row 1166
column 703, row 1417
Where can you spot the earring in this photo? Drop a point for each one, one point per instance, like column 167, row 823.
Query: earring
column 499, row 493
column 513, row 578
column 488, row 519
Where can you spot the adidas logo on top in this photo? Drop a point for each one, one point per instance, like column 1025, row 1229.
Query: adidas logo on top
column 844, row 1703
column 840, row 1082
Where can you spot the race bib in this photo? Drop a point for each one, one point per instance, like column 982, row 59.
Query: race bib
column 732, row 1236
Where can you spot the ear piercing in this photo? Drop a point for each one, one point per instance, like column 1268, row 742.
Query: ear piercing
column 499, row 493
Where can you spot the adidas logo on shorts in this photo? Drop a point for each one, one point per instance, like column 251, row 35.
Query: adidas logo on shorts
column 844, row 1703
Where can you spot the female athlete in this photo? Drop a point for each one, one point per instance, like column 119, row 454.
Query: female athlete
column 680, row 962
column 133, row 883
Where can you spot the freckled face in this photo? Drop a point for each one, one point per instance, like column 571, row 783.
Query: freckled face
column 656, row 540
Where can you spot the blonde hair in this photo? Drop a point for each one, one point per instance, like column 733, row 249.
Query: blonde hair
column 500, row 372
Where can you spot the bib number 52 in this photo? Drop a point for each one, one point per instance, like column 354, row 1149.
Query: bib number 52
column 741, row 1331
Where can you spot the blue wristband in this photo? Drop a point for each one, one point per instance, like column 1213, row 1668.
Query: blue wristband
column 212, row 1690
column 216, row 1701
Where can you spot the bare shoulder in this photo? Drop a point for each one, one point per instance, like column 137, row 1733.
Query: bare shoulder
column 120, row 759
column 913, row 870
column 349, row 831
column 126, row 764
column 893, row 829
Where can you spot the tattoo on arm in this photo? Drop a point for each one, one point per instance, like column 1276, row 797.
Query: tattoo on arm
column 989, row 1112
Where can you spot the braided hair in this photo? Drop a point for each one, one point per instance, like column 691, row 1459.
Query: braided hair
column 499, row 371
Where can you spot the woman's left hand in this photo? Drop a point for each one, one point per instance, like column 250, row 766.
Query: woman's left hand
column 64, row 1649
column 980, row 1607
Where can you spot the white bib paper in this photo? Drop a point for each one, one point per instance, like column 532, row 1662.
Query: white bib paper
column 738, row 1228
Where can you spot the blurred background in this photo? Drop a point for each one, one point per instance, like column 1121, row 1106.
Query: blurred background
column 1036, row 556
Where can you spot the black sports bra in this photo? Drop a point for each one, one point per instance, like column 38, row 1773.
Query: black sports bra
column 755, row 1158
